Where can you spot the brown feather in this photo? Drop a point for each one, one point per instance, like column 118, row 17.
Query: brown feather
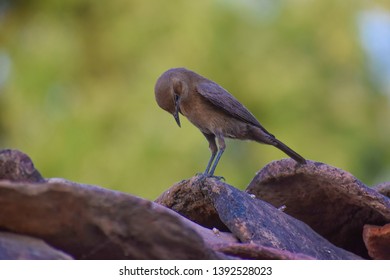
column 221, row 98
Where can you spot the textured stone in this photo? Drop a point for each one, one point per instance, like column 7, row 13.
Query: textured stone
column 18, row 167
column 254, row 221
column 187, row 199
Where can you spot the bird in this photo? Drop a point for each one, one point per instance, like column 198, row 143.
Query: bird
column 214, row 111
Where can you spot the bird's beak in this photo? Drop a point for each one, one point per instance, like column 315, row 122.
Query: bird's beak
column 177, row 119
column 177, row 109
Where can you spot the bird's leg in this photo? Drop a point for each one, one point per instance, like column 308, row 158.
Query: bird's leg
column 213, row 154
column 213, row 148
column 222, row 146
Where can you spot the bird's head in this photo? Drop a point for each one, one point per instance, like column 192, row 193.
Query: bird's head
column 169, row 89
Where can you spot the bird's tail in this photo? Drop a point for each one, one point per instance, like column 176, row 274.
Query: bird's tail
column 263, row 136
column 283, row 147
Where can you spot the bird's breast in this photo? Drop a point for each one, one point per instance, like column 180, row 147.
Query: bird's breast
column 212, row 120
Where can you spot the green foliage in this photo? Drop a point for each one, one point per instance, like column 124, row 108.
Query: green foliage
column 80, row 96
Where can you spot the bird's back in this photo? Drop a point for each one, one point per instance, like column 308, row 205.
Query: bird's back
column 223, row 100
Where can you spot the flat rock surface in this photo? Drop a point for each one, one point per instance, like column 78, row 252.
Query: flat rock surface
column 331, row 201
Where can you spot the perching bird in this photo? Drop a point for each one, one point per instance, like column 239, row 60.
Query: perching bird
column 214, row 111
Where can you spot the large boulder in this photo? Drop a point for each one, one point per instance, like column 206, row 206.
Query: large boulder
column 331, row 201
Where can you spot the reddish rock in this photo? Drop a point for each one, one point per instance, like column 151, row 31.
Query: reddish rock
column 20, row 247
column 331, row 201
column 377, row 240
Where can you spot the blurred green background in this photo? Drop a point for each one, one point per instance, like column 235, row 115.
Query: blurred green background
column 77, row 85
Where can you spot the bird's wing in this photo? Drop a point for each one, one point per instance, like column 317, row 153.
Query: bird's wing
column 219, row 97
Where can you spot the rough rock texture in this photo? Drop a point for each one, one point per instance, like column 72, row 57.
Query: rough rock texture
column 89, row 222
column 377, row 240
column 383, row 188
column 331, row 201
column 188, row 200
column 17, row 166
column 258, row 225
column 20, row 247
column 254, row 221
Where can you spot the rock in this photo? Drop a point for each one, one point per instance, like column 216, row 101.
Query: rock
column 251, row 251
column 377, row 240
column 331, row 201
column 211, row 219
column 187, row 199
column 254, row 221
column 383, row 188
column 90, row 222
column 20, row 247
column 18, row 167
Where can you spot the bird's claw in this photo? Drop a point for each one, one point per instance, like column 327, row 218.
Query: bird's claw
column 207, row 175
column 219, row 178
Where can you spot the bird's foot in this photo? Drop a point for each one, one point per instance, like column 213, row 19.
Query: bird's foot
column 208, row 175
